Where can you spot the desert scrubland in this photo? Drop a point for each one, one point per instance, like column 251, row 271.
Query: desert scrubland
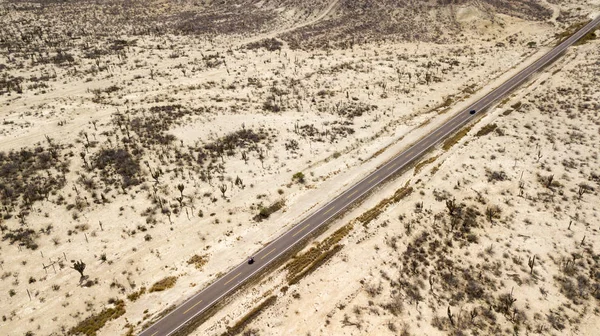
column 147, row 147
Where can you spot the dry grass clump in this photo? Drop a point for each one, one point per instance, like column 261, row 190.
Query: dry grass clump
column 136, row 295
column 270, row 44
column 239, row 326
column 453, row 140
column 198, row 261
column 485, row 130
column 163, row 284
column 419, row 166
column 373, row 213
column 265, row 212
column 91, row 325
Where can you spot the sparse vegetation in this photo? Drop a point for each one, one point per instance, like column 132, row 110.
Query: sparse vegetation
column 306, row 262
column 91, row 325
column 131, row 129
column 198, row 261
column 137, row 294
column 299, row 177
column 485, row 130
column 454, row 139
column 265, row 212
column 373, row 213
column 419, row 166
column 164, row 284
column 246, row 319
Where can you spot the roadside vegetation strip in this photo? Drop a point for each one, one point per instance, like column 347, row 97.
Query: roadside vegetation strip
column 374, row 212
column 561, row 37
column 424, row 163
column 320, row 260
column 456, row 137
column 239, row 326
column 305, row 260
column 592, row 35
column 94, row 323
column 485, row 130
column 306, row 263
column 516, row 106
column 446, row 105
column 424, row 123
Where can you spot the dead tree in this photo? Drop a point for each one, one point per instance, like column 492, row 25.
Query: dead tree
column 583, row 188
column 261, row 157
column 549, row 180
column 223, row 189
column 474, row 314
column 452, row 207
column 156, row 174
column 79, row 266
column 180, row 187
column 531, row 263
column 239, row 182
column 491, row 212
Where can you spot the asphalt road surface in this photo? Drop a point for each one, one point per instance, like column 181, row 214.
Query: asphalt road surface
column 230, row 281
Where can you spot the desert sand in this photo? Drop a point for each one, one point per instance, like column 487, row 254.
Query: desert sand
column 160, row 159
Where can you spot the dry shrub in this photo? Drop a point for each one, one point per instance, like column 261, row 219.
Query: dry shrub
column 163, row 284
column 198, row 261
column 91, row 325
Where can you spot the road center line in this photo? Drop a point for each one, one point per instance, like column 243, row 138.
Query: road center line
column 230, row 280
column 392, row 167
column 154, row 333
column 355, row 191
column 374, row 178
column 185, row 312
column 328, row 211
column 263, row 257
column 307, row 225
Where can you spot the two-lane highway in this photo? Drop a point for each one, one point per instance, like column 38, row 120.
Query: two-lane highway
column 232, row 280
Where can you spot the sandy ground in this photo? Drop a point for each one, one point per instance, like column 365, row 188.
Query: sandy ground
column 124, row 252
column 339, row 298
column 552, row 224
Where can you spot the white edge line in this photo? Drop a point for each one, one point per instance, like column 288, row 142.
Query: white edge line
column 371, row 187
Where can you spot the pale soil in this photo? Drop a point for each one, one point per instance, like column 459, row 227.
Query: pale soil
column 133, row 262
column 335, row 299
